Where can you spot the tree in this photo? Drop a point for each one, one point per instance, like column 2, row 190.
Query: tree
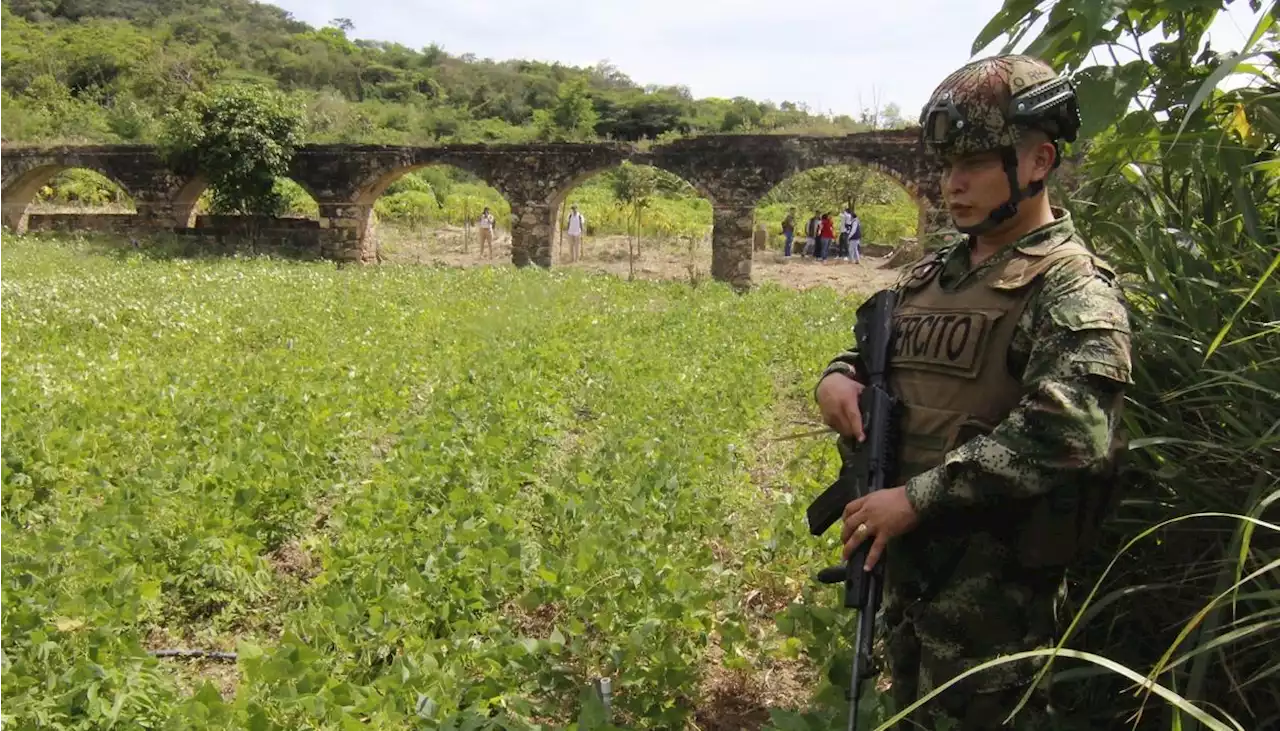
column 241, row 137
column 891, row 117
column 831, row 188
column 573, row 116
column 635, row 186
column 343, row 24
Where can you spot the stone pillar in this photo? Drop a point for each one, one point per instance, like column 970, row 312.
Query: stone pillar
column 346, row 232
column 532, row 234
column 731, row 245
column 932, row 223
column 15, row 213
column 19, row 194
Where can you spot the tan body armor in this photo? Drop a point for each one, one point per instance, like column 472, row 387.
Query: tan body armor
column 950, row 367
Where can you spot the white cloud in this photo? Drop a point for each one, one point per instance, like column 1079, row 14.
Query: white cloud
column 832, row 55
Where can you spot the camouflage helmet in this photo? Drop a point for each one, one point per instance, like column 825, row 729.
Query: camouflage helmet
column 982, row 105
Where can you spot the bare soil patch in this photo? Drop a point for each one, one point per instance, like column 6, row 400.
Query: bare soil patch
column 669, row 260
column 293, row 559
column 740, row 699
column 190, row 674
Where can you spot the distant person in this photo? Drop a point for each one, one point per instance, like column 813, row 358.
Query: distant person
column 826, row 235
column 855, row 238
column 846, row 222
column 788, row 231
column 486, row 230
column 576, row 226
column 812, row 231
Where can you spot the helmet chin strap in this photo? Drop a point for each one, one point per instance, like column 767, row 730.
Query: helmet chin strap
column 1009, row 208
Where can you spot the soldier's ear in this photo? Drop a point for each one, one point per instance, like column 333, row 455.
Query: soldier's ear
column 1046, row 157
column 1039, row 154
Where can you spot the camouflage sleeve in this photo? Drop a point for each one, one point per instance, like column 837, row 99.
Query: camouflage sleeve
column 846, row 362
column 1078, row 366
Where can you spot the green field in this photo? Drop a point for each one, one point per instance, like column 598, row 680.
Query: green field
column 408, row 497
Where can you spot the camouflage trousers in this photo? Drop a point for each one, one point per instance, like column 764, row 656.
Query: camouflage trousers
column 981, row 613
column 962, row 706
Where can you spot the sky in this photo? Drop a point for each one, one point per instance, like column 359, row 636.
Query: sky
column 836, row 56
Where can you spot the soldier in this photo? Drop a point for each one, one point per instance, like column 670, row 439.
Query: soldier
column 1012, row 355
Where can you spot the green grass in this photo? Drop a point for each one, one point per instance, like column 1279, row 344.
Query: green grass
column 398, row 491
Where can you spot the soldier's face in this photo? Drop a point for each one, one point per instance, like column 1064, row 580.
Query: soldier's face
column 973, row 185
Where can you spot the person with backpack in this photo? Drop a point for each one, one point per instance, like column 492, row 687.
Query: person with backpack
column 854, row 235
column 487, row 223
column 845, row 218
column 576, row 226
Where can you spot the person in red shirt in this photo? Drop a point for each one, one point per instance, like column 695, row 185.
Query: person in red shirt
column 827, row 234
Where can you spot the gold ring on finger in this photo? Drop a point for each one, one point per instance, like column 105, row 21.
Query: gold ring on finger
column 862, row 528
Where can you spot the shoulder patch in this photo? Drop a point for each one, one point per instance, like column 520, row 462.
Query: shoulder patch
column 924, row 269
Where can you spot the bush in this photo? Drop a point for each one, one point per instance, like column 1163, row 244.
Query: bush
column 241, row 136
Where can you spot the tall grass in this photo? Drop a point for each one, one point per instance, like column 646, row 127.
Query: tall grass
column 1204, row 419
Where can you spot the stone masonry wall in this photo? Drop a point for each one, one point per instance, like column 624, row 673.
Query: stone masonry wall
column 289, row 237
column 120, row 224
column 732, row 171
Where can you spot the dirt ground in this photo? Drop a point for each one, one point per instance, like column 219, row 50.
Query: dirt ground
column 667, row 260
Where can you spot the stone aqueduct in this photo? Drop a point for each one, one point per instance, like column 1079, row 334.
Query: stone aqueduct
column 732, row 171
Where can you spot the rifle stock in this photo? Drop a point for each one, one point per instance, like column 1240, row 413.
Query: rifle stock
column 864, row 468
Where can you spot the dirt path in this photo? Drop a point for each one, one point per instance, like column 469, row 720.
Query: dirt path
column 665, row 260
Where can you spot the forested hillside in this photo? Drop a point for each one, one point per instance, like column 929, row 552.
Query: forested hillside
column 107, row 70
column 81, row 71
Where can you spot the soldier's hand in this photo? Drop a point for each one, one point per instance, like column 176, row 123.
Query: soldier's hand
column 838, row 399
column 879, row 517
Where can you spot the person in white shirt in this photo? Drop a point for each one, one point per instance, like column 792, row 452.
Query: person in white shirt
column 576, row 227
column 486, row 231
column 846, row 227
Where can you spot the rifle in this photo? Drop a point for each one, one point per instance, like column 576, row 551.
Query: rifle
column 863, row 469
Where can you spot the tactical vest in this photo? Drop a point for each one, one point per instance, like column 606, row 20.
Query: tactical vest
column 949, row 365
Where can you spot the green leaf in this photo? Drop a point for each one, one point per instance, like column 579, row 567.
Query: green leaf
column 1226, row 326
column 1105, row 93
column 1009, row 17
column 1227, row 66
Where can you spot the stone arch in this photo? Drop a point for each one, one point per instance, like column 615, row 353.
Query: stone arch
column 184, row 201
column 21, row 188
column 499, row 201
column 188, row 193
column 560, row 194
column 918, row 193
column 895, row 153
column 373, row 187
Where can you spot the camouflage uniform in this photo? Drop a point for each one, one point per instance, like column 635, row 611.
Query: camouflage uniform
column 1001, row 507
